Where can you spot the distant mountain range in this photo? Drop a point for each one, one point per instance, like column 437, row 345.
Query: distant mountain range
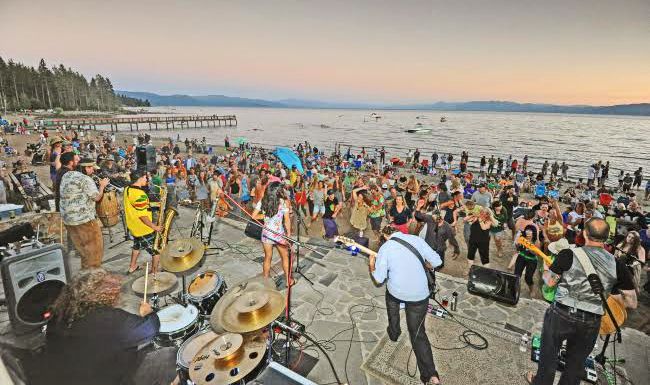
column 640, row 109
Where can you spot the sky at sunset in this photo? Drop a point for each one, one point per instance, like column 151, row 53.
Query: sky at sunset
column 550, row 51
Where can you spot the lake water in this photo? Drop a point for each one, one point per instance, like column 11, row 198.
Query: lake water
column 579, row 140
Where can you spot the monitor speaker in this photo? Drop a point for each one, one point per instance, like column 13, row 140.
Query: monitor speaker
column 32, row 281
column 495, row 284
column 276, row 374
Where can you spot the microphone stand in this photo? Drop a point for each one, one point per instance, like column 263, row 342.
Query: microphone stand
column 299, row 221
column 295, row 242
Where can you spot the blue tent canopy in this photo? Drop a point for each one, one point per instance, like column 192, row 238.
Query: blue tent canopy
column 288, row 158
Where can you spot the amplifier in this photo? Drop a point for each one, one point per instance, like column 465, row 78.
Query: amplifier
column 495, row 284
column 32, row 281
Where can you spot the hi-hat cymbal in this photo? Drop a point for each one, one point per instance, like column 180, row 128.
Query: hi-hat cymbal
column 182, row 254
column 228, row 358
column 248, row 306
column 159, row 283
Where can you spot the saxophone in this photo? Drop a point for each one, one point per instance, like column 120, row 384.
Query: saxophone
column 165, row 219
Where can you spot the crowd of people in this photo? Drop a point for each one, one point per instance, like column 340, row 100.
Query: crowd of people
column 374, row 200
column 492, row 205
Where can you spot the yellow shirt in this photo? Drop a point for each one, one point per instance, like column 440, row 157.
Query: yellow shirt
column 293, row 175
column 136, row 205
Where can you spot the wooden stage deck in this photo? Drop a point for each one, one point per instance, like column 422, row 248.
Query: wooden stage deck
column 171, row 122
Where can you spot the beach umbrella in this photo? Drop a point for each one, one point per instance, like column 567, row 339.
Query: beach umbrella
column 241, row 140
column 288, row 158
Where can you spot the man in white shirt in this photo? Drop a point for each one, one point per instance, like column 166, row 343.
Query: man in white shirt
column 407, row 283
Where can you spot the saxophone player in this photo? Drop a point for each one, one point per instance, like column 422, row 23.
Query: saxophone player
column 139, row 220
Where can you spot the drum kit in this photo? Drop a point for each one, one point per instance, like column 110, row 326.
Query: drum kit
column 223, row 335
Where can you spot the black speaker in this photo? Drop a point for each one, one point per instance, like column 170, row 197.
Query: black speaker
column 495, row 284
column 145, row 156
column 32, row 281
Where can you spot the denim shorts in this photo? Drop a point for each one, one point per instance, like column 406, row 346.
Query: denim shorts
column 319, row 208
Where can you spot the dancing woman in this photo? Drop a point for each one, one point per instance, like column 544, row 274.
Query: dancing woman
column 277, row 224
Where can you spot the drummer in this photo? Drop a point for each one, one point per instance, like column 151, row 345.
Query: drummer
column 91, row 341
column 78, row 195
column 139, row 220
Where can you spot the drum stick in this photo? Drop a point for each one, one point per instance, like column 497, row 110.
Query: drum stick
column 146, row 279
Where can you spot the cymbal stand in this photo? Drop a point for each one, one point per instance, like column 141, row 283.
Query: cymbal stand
column 155, row 302
column 182, row 295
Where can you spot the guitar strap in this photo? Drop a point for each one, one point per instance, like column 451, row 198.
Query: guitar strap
column 430, row 276
column 583, row 258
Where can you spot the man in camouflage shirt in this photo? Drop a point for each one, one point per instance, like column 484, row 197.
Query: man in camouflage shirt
column 78, row 197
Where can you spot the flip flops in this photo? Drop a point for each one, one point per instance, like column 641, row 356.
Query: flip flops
column 129, row 272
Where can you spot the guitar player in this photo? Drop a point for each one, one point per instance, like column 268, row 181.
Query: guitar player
column 576, row 313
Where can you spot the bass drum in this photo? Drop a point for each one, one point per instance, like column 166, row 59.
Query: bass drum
column 108, row 210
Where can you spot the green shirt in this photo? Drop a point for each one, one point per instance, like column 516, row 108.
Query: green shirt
column 377, row 203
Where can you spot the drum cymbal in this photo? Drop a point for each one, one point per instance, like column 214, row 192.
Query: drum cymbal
column 228, row 358
column 182, row 255
column 159, row 283
column 247, row 307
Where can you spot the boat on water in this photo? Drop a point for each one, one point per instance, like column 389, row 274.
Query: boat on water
column 419, row 128
column 443, row 119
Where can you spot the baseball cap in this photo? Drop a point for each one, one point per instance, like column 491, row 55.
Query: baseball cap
column 137, row 174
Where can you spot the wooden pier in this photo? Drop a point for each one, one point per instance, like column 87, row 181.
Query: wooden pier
column 171, row 122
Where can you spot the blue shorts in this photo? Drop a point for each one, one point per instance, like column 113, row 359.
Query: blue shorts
column 318, row 208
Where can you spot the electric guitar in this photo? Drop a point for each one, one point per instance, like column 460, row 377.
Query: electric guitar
column 614, row 303
column 350, row 242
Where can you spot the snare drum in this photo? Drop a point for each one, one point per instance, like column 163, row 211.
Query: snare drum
column 205, row 290
column 177, row 323
column 188, row 350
